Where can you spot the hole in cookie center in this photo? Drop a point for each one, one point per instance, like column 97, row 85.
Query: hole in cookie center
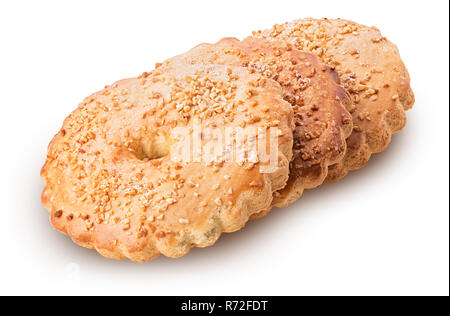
column 155, row 146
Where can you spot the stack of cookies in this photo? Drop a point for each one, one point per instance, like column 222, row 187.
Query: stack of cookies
column 221, row 134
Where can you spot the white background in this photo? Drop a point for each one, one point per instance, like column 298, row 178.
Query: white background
column 383, row 230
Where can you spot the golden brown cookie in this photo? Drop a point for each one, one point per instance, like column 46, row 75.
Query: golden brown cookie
column 319, row 103
column 369, row 67
column 112, row 182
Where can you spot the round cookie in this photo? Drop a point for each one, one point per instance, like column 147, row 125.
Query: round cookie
column 113, row 183
column 319, row 103
column 369, row 67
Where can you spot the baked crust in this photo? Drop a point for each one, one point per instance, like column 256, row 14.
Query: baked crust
column 370, row 68
column 319, row 103
column 105, row 191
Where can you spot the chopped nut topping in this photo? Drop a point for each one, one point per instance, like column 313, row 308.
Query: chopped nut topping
column 183, row 221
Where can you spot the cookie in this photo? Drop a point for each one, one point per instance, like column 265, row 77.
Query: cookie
column 319, row 103
column 114, row 181
column 370, row 68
